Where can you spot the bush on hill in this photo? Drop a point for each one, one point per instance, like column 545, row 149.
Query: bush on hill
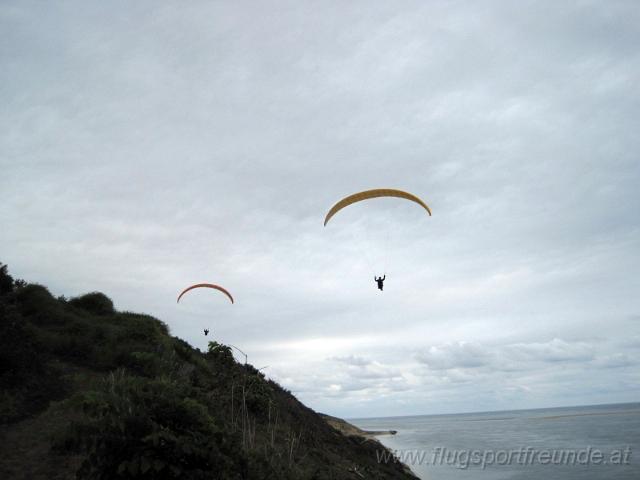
column 95, row 302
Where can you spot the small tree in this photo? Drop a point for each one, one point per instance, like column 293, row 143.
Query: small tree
column 222, row 354
column 6, row 280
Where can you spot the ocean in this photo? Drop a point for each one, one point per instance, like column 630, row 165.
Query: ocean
column 586, row 443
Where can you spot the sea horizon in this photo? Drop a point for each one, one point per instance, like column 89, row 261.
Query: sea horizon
column 495, row 411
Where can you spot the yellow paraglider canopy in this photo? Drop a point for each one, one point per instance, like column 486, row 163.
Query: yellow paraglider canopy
column 375, row 193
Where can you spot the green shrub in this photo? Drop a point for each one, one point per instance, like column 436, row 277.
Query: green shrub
column 220, row 354
column 94, row 302
column 18, row 345
column 148, row 429
column 36, row 302
column 11, row 406
column 70, row 347
column 144, row 363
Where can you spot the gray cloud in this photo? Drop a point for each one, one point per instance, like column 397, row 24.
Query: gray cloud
column 352, row 360
column 465, row 355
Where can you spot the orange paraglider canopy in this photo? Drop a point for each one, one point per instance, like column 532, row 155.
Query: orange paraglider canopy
column 205, row 285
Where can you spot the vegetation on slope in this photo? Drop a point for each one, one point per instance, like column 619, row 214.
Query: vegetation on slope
column 91, row 392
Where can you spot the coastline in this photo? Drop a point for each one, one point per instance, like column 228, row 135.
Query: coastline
column 351, row 430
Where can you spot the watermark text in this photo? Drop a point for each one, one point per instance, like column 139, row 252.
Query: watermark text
column 464, row 458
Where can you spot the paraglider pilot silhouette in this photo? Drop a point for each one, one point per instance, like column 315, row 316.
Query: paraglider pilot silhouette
column 206, row 331
column 369, row 194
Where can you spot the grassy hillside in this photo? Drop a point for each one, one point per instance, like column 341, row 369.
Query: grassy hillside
column 90, row 392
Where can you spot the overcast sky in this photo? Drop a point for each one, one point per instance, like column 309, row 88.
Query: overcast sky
column 146, row 146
